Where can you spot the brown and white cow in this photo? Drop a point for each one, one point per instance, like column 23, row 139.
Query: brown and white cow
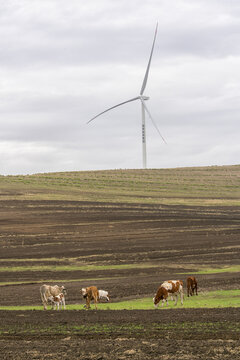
column 191, row 285
column 172, row 287
column 58, row 301
column 90, row 293
column 46, row 291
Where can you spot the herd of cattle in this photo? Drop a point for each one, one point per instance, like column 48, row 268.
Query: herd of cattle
column 173, row 288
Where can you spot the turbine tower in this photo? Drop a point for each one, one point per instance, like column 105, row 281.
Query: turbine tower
column 145, row 110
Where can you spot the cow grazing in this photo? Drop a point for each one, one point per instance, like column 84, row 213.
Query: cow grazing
column 46, row 291
column 191, row 285
column 58, row 301
column 170, row 287
column 90, row 293
column 103, row 295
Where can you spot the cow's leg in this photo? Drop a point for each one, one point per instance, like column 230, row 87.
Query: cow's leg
column 63, row 303
column 176, row 299
column 181, row 296
column 88, row 303
column 44, row 305
column 44, row 301
column 52, row 303
column 95, row 303
column 165, row 299
column 196, row 289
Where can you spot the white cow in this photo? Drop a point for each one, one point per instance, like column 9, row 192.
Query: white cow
column 58, row 301
column 46, row 291
column 103, row 295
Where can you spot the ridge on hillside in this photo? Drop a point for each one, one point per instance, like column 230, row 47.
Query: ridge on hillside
column 212, row 185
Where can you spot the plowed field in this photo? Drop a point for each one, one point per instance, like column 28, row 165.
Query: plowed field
column 127, row 249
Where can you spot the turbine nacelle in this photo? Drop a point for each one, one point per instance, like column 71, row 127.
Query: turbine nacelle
column 143, row 97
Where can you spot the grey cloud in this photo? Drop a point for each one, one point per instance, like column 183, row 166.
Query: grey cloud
column 62, row 63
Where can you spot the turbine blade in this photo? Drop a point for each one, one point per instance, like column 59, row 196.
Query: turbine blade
column 122, row 103
column 149, row 63
column 155, row 125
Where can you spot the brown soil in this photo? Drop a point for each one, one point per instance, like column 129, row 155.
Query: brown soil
column 175, row 238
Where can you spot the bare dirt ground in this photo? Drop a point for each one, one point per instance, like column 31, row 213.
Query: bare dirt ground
column 175, row 238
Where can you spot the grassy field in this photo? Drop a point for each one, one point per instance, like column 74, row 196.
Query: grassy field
column 215, row 185
column 212, row 299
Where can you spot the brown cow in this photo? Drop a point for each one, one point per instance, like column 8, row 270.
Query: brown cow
column 191, row 285
column 90, row 293
column 172, row 287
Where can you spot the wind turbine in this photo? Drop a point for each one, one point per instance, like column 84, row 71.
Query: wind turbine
column 145, row 110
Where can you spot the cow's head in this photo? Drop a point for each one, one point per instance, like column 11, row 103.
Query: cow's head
column 156, row 301
column 63, row 290
column 57, row 298
column 160, row 295
column 84, row 292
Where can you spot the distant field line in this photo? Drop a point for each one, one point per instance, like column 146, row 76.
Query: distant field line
column 76, row 268
column 35, row 260
column 57, row 281
column 92, row 267
column 79, row 258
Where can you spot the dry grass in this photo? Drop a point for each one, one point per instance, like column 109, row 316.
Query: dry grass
column 215, row 185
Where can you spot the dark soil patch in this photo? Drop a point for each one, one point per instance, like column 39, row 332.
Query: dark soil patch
column 177, row 239
column 195, row 334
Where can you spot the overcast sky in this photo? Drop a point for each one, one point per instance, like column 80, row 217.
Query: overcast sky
column 62, row 62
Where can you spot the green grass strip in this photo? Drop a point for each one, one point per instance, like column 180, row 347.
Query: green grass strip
column 212, row 299
column 205, row 271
